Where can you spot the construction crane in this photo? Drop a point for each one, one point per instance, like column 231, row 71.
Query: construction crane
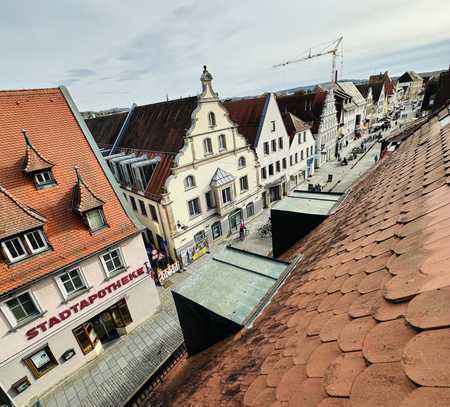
column 331, row 48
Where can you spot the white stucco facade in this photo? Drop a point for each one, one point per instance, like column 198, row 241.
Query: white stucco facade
column 301, row 157
column 326, row 137
column 51, row 333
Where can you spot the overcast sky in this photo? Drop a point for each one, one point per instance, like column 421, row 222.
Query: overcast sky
column 113, row 53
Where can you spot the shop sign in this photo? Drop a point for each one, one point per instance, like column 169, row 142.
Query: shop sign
column 84, row 303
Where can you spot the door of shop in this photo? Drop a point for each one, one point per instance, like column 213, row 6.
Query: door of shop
column 235, row 220
column 105, row 327
column 275, row 193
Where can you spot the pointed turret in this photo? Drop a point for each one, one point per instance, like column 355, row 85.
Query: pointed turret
column 35, row 161
column 207, row 90
column 83, row 199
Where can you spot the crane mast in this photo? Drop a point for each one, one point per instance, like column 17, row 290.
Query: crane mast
column 334, row 54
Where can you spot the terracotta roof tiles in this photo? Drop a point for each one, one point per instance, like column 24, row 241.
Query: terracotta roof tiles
column 55, row 132
column 364, row 322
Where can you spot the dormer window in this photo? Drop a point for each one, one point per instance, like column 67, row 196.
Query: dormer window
column 37, row 165
column 44, row 179
column 24, row 245
column 88, row 205
column 95, row 219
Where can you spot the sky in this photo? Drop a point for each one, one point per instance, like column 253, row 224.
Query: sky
column 115, row 53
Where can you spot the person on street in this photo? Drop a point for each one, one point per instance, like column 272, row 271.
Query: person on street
column 242, row 229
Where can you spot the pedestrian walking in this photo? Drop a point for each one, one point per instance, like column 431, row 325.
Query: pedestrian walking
column 242, row 229
column 375, row 158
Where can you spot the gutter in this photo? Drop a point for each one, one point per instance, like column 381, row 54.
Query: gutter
column 100, row 158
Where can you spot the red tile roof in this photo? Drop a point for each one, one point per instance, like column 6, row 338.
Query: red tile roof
column 35, row 161
column 83, row 199
column 247, row 114
column 363, row 319
column 306, row 106
column 293, row 124
column 56, row 134
column 16, row 217
column 156, row 129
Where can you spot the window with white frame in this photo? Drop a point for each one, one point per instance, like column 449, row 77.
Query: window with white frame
column 226, row 195
column 222, row 142
column 211, row 119
column 19, row 247
column 274, row 145
column 194, row 207
column 71, row 282
column 299, row 138
column 209, row 200
column 280, row 143
column 250, row 209
column 243, row 183
column 43, row 178
column 263, row 173
column 266, row 148
column 189, row 182
column 273, row 125
column 207, row 146
column 95, row 219
column 21, row 308
column 241, row 162
column 113, row 261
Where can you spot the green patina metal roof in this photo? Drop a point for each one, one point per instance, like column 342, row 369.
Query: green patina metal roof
column 232, row 283
column 309, row 203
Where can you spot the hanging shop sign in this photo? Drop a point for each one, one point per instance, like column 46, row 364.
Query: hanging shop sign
column 84, row 303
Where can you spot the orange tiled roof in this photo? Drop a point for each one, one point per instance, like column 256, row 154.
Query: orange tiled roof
column 34, row 161
column 83, row 199
column 364, row 319
column 15, row 217
column 56, row 134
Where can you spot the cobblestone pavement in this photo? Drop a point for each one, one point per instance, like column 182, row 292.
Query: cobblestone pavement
column 117, row 373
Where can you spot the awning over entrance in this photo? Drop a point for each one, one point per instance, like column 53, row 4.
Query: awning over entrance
column 224, row 295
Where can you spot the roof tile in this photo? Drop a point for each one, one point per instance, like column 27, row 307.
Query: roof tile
column 426, row 358
column 353, row 334
column 427, row 396
column 321, row 358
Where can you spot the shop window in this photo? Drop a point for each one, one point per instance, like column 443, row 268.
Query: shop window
column 153, row 213
column 20, row 309
column 71, row 282
column 41, row 362
column 250, row 209
column 200, row 237
column 113, row 262
column 121, row 314
column 194, row 207
column 142, row 206
column 216, row 230
column 86, row 337
column 95, row 219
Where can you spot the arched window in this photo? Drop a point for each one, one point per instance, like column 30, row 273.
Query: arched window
column 189, row 182
column 207, row 146
column 211, row 119
column 241, row 162
column 222, row 142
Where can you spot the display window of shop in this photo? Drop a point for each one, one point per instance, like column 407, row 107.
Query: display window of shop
column 121, row 314
column 41, row 362
column 20, row 309
column 86, row 337
column 113, row 262
column 199, row 237
column 250, row 210
column 216, row 230
column 71, row 282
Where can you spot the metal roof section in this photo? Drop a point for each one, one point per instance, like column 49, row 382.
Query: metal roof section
column 143, row 163
column 311, row 203
column 232, row 283
column 221, row 177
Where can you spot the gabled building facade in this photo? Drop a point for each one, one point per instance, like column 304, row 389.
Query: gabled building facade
column 198, row 176
column 410, row 85
column 356, row 112
column 318, row 110
column 73, row 266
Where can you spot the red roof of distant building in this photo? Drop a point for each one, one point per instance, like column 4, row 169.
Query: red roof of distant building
column 306, row 106
column 57, row 136
column 247, row 114
column 363, row 319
